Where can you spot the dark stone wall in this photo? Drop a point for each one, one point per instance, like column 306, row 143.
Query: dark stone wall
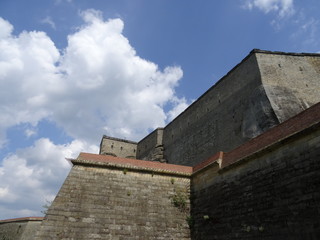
column 274, row 194
column 151, row 147
column 113, row 203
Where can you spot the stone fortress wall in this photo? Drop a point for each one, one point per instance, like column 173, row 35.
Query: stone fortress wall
column 242, row 163
column 265, row 89
column 151, row 147
column 267, row 188
column 105, row 197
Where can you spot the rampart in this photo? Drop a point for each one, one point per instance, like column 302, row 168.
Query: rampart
column 267, row 188
column 265, row 89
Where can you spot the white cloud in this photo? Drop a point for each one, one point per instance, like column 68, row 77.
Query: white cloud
column 48, row 20
column 30, row 132
column 98, row 82
column 282, row 7
column 35, row 174
column 96, row 85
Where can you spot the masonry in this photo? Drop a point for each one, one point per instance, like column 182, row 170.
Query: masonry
column 223, row 169
column 263, row 90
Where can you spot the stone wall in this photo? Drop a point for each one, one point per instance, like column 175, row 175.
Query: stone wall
column 118, row 147
column 19, row 228
column 291, row 81
column 272, row 193
column 267, row 188
column 101, row 199
column 265, row 89
column 234, row 110
column 151, row 147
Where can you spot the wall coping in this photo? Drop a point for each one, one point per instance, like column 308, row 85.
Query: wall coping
column 118, row 139
column 24, row 219
column 302, row 54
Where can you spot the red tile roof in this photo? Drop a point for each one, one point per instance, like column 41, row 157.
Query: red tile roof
column 106, row 160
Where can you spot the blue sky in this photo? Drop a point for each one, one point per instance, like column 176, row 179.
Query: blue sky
column 71, row 71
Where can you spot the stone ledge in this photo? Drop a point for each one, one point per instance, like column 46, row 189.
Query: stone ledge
column 255, row 50
column 24, row 219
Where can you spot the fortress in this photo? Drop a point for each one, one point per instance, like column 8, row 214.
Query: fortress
column 241, row 162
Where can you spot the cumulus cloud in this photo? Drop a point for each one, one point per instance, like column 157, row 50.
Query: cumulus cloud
column 34, row 174
column 98, row 82
column 282, row 7
column 96, row 85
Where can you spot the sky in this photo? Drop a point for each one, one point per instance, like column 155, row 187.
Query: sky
column 74, row 70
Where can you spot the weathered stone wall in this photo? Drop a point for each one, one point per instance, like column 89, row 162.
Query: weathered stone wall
column 291, row 81
column 112, row 202
column 267, row 188
column 272, row 194
column 19, row 229
column 151, row 147
column 118, row 147
column 227, row 115
column 265, row 89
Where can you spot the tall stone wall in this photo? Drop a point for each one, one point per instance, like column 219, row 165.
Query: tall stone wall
column 271, row 194
column 265, row 89
column 116, row 201
column 291, row 81
column 227, row 115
